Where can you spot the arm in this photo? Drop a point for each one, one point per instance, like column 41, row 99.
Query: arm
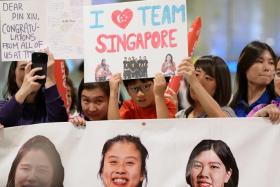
column 10, row 112
column 207, row 102
column 271, row 111
column 159, row 89
column 113, row 108
column 50, row 79
column 56, row 112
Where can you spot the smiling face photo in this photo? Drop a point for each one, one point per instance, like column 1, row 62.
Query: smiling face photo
column 34, row 169
column 208, row 170
column 212, row 164
column 123, row 162
column 37, row 164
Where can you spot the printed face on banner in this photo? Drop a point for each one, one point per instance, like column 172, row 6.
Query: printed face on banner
column 34, row 169
column 23, row 29
column 208, row 170
column 122, row 166
column 137, row 39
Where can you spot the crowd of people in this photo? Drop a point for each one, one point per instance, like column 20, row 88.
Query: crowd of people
column 209, row 92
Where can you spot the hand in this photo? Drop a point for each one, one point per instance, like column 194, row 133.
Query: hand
column 77, row 121
column 29, row 84
column 50, row 80
column 186, row 69
column 271, row 111
column 159, row 84
column 114, row 82
column 1, row 126
column 172, row 96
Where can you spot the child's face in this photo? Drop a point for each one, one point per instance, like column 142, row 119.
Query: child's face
column 142, row 93
column 277, row 79
column 94, row 104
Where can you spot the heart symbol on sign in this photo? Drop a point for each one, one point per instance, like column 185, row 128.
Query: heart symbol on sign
column 122, row 18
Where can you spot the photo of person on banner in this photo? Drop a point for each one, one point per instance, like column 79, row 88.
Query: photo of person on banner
column 37, row 164
column 123, row 162
column 168, row 67
column 212, row 163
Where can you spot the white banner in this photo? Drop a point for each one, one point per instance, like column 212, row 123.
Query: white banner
column 253, row 142
column 137, row 39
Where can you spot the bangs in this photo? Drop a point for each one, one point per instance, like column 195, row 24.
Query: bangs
column 207, row 65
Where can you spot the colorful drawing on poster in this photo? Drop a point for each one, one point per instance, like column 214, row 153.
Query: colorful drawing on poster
column 135, row 30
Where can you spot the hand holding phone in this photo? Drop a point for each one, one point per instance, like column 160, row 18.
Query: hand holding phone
column 40, row 60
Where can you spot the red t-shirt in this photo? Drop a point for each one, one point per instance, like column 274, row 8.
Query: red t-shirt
column 130, row 110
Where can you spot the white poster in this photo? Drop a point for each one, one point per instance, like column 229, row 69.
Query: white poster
column 65, row 24
column 253, row 143
column 137, row 39
column 23, row 29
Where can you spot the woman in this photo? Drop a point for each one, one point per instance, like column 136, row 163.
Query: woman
column 270, row 110
column 255, row 71
column 212, row 163
column 168, row 67
column 209, row 87
column 93, row 101
column 29, row 102
column 123, row 162
column 37, row 164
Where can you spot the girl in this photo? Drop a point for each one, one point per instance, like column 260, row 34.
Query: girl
column 255, row 71
column 209, row 87
column 93, row 100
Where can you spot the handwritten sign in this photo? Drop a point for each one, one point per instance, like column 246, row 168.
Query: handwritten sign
column 137, row 39
column 22, row 28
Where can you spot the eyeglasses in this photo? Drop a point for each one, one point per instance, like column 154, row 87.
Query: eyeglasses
column 143, row 88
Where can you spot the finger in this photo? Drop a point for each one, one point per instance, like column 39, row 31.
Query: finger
column 27, row 68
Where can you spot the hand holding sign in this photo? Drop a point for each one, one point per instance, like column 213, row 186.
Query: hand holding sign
column 193, row 36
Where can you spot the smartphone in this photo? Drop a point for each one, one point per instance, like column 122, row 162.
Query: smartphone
column 40, row 60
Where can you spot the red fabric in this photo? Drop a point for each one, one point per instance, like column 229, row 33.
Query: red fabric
column 130, row 110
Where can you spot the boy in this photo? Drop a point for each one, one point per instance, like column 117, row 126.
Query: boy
column 147, row 99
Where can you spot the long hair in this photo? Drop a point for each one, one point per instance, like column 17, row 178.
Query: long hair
column 215, row 67
column 44, row 144
column 247, row 58
column 223, row 152
column 11, row 85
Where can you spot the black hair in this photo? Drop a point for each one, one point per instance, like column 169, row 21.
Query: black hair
column 247, row 58
column 223, row 152
column 129, row 139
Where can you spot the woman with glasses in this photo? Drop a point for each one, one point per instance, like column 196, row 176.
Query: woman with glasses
column 254, row 78
column 147, row 99
column 270, row 110
column 209, row 88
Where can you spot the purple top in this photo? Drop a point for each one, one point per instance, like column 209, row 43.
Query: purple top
column 260, row 106
column 50, row 108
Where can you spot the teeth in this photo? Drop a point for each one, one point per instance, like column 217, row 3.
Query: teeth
column 119, row 181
